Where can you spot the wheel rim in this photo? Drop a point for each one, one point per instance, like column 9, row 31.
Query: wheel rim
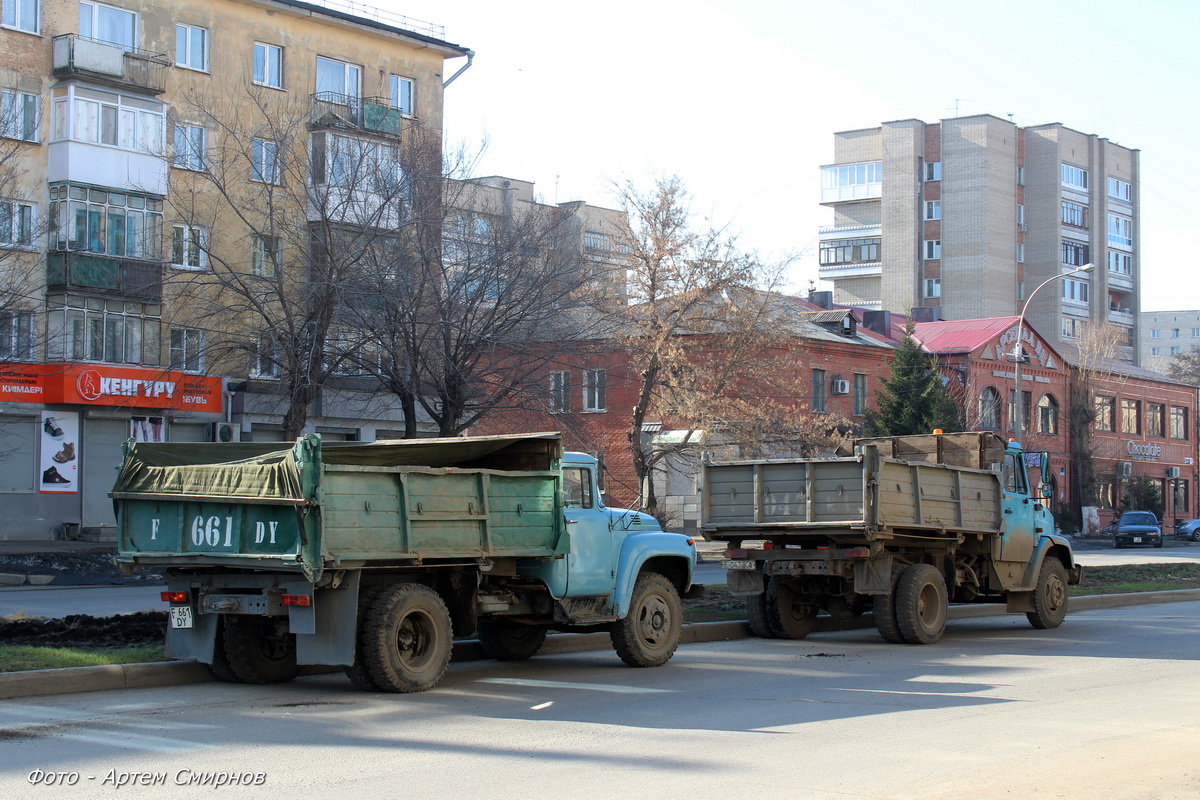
column 928, row 607
column 414, row 640
column 654, row 620
column 1055, row 593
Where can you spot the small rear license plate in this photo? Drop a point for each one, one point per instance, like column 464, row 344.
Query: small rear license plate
column 181, row 616
column 738, row 563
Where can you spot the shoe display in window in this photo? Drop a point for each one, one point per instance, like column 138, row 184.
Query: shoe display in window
column 51, row 476
column 51, row 427
column 66, row 454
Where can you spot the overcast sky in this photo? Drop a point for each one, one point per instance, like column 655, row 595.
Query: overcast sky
column 740, row 99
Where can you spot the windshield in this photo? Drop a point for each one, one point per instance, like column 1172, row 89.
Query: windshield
column 1138, row 518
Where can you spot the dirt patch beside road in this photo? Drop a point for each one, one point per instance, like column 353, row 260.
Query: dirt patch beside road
column 81, row 630
column 75, row 569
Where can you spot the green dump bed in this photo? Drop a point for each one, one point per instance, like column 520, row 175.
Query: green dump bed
column 313, row 506
column 949, row 484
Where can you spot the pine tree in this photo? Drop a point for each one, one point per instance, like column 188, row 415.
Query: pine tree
column 913, row 398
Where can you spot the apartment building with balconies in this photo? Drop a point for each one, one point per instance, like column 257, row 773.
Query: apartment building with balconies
column 142, row 143
column 965, row 217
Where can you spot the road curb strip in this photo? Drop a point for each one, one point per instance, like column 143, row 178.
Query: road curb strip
column 174, row 673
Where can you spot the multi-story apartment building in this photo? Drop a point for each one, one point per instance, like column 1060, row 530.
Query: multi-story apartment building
column 1163, row 334
column 144, row 144
column 965, row 217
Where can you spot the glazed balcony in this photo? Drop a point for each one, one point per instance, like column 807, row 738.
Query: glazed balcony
column 348, row 112
column 126, row 278
column 113, row 64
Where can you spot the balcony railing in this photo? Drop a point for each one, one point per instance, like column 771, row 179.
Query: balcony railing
column 116, row 64
column 374, row 114
column 116, row 277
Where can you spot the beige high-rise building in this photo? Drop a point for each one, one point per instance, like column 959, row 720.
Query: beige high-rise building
column 965, row 217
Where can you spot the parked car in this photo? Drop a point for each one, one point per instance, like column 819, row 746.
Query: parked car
column 1189, row 529
column 1138, row 527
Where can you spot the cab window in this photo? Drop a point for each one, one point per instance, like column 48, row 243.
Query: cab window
column 577, row 487
column 1014, row 474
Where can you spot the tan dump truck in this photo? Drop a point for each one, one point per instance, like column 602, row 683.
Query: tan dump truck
column 900, row 526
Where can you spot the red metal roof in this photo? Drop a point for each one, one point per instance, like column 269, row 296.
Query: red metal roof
column 962, row 335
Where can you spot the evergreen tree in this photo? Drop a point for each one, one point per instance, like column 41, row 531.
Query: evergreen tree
column 913, row 398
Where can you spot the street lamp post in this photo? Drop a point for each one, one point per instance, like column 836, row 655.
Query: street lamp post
column 1017, row 356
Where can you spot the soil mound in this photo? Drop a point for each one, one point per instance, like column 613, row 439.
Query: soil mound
column 82, row 630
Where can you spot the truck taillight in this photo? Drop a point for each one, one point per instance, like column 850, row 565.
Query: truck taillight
column 736, row 554
column 174, row 597
column 858, row 552
column 302, row 600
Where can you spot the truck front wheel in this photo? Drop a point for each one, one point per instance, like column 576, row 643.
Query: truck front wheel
column 921, row 604
column 786, row 611
column 1050, row 596
column 408, row 639
column 505, row 640
column 649, row 633
column 260, row 649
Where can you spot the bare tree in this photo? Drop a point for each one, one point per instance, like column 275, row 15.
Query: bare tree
column 709, row 339
column 1185, row 366
column 21, row 266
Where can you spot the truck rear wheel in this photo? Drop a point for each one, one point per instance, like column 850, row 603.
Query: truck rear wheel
column 885, row 610
column 407, row 640
column 260, row 649
column 788, row 615
column 505, row 640
column 357, row 672
column 220, row 667
column 756, row 614
column 1050, row 596
column 921, row 604
column 649, row 633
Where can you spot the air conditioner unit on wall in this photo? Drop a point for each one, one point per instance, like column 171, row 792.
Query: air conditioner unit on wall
column 1124, row 469
column 225, row 432
column 841, row 387
column 1173, row 473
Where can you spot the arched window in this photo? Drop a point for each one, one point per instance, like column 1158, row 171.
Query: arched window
column 1048, row 415
column 989, row 409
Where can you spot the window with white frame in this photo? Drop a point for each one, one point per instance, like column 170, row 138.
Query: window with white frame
column 17, row 222
column 1120, row 190
column 359, row 164
column 851, row 181
column 18, row 332
column 1195, row 332
column 110, row 223
column 268, row 65
column 1072, row 327
column 108, row 118
column 1020, row 291
column 1174, row 333
column 933, row 209
column 1176, row 351
column 21, row 14
column 400, row 90
column 1075, row 291
column 1156, row 351
column 19, row 114
column 933, row 249
column 108, row 24
column 188, row 247
column 1020, row 252
column 593, row 389
column 264, row 256
column 1074, row 254
column 187, row 349
column 107, row 330
column 338, row 81
column 1020, row 214
column 1155, row 333
column 264, row 359
column 1121, row 263
column 1120, row 230
column 1020, row 176
column 264, row 155
column 191, row 147
column 933, row 171
column 933, row 287
column 1074, row 177
column 191, row 47
column 560, row 392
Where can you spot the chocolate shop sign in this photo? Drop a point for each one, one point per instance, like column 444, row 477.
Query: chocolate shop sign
column 1143, row 452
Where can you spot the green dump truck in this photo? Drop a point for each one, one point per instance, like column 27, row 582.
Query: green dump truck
column 896, row 525
column 374, row 556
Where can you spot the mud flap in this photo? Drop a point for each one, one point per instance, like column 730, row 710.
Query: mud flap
column 335, row 618
column 195, row 643
column 742, row 582
column 874, row 576
column 1019, row 602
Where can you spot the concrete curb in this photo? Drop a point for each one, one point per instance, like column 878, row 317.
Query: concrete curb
column 174, row 673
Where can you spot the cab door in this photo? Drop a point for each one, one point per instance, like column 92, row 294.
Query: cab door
column 1019, row 538
column 591, row 564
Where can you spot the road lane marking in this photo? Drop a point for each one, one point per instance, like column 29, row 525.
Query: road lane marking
column 974, row 693
column 588, row 687
column 132, row 741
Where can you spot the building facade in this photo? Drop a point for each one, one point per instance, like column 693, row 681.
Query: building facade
column 138, row 141
column 964, row 218
column 1163, row 334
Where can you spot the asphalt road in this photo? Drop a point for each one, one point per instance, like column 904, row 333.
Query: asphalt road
column 1106, row 706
